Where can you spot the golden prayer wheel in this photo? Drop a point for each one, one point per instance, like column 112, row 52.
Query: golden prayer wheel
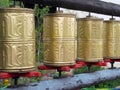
column 17, row 40
column 90, row 39
column 113, row 39
column 59, row 39
column 104, row 40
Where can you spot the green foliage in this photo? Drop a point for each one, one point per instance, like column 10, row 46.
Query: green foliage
column 85, row 69
column 109, row 84
column 91, row 88
column 39, row 13
column 56, row 75
column 4, row 3
column 34, row 79
column 39, row 51
column 8, row 3
column 104, row 89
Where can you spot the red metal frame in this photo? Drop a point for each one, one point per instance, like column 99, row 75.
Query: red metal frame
column 62, row 68
column 78, row 64
column 4, row 75
column 111, row 60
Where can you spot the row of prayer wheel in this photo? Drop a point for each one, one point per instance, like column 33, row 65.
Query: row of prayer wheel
column 87, row 39
column 65, row 40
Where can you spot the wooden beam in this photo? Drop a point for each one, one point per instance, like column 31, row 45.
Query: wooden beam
column 95, row 6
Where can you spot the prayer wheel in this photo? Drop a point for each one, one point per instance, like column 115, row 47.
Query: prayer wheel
column 90, row 39
column 17, row 40
column 113, row 39
column 59, row 39
column 104, row 40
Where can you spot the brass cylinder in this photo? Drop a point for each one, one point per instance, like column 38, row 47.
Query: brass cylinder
column 105, row 40
column 90, row 39
column 59, row 39
column 80, row 39
column 113, row 39
column 17, row 40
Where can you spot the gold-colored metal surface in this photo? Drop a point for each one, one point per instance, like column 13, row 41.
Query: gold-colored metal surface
column 90, row 39
column 113, row 39
column 93, row 50
column 59, row 39
column 17, row 40
column 80, row 39
column 104, row 40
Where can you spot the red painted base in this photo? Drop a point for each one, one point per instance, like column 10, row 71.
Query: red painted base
column 111, row 60
column 4, row 75
column 78, row 64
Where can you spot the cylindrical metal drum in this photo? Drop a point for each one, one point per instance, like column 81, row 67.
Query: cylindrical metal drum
column 90, row 39
column 104, row 40
column 17, row 40
column 113, row 39
column 59, row 39
column 80, row 39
